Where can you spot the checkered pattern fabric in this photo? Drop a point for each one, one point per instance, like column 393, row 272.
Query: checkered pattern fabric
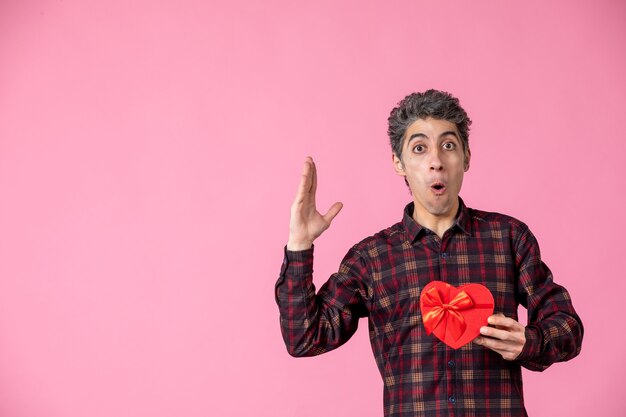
column 381, row 278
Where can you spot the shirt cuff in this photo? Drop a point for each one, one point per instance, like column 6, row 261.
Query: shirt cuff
column 298, row 262
column 532, row 347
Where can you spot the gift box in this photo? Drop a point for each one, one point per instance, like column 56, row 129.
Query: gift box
column 455, row 315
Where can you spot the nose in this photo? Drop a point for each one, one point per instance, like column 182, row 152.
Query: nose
column 435, row 161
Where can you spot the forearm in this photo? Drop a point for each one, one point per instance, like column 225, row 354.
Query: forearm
column 311, row 324
column 557, row 338
column 554, row 331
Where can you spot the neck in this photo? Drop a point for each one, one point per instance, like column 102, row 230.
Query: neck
column 438, row 223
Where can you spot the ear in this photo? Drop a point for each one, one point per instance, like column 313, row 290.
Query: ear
column 468, row 156
column 398, row 165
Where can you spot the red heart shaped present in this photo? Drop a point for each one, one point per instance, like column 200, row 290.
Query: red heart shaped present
column 455, row 315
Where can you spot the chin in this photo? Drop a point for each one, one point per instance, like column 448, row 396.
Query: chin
column 440, row 210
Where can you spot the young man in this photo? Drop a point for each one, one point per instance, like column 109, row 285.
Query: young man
column 438, row 239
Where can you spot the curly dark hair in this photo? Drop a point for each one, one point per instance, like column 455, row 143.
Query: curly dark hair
column 430, row 103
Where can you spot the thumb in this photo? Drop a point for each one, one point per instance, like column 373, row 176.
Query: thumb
column 332, row 212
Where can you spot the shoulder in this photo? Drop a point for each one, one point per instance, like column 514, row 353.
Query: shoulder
column 494, row 217
column 374, row 245
column 493, row 222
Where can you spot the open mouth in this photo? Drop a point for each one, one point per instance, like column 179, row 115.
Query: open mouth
column 438, row 187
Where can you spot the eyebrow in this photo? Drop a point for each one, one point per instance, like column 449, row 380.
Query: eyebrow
column 421, row 135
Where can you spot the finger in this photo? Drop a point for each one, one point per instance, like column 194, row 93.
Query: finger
column 311, row 180
column 495, row 333
column 501, row 320
column 493, row 344
column 305, row 181
column 506, row 350
column 313, row 176
column 495, row 317
column 332, row 212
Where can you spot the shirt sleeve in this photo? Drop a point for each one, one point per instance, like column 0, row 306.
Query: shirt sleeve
column 312, row 323
column 554, row 331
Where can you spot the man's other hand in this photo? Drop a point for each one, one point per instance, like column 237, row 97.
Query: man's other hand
column 507, row 338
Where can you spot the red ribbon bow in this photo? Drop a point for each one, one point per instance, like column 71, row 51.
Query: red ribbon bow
column 446, row 314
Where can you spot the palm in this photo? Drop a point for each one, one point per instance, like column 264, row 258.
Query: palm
column 307, row 223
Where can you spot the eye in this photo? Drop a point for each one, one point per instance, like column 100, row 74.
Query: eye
column 449, row 146
column 418, row 148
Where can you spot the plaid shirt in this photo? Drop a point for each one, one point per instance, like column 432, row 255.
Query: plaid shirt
column 381, row 278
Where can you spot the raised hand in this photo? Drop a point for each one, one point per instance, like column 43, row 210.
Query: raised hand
column 306, row 223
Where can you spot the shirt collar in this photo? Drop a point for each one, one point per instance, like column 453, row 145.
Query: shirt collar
column 414, row 229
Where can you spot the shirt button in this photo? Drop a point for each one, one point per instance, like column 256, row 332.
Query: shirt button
column 451, row 364
column 444, row 254
column 452, row 399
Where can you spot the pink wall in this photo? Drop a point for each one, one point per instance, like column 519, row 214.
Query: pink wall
column 149, row 152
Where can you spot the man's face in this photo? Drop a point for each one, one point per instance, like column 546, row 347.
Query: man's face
column 433, row 162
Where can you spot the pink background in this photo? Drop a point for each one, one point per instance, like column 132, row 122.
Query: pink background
column 149, row 152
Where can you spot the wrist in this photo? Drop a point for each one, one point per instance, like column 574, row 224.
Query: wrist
column 298, row 246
